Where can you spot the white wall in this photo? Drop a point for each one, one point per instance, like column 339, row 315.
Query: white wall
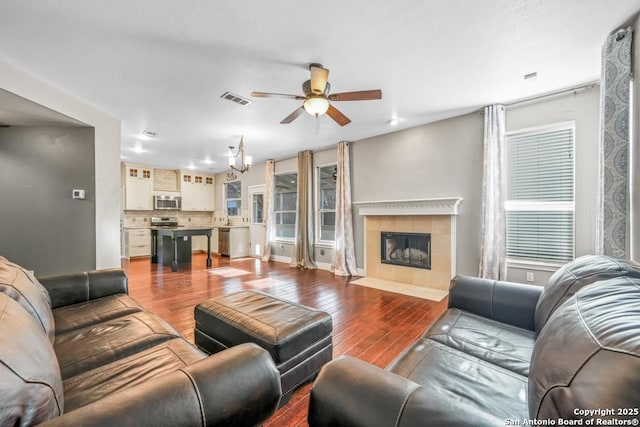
column 107, row 152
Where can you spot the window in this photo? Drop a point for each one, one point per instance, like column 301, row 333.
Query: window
column 257, row 213
column 540, row 194
column 326, row 218
column 233, row 198
column 286, row 197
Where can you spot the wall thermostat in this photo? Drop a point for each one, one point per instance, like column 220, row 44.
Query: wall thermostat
column 78, row 194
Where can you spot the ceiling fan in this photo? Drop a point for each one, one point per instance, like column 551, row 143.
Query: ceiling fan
column 316, row 99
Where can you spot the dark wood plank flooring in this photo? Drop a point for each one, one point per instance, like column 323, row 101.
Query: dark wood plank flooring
column 369, row 324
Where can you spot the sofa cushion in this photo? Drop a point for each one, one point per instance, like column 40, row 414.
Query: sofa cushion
column 93, row 385
column 81, row 315
column 575, row 275
column 506, row 346
column 94, row 346
column 463, row 382
column 21, row 285
column 588, row 354
column 30, row 382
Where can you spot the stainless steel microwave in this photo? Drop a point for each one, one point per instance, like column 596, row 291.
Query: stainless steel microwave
column 173, row 203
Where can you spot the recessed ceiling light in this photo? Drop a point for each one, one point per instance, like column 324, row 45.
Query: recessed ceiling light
column 191, row 166
column 530, row 76
column 393, row 122
column 208, row 161
column 138, row 149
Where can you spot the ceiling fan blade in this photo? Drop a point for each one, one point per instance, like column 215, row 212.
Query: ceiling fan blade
column 360, row 95
column 275, row 95
column 319, row 77
column 291, row 117
column 337, row 116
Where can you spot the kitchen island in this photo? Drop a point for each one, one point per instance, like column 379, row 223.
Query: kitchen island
column 171, row 246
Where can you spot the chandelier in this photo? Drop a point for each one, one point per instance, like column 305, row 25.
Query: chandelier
column 245, row 161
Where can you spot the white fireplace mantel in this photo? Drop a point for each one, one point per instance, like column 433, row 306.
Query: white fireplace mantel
column 440, row 206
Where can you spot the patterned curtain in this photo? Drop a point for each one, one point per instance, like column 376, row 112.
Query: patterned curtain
column 493, row 252
column 614, row 192
column 269, row 201
column 303, row 255
column 344, row 254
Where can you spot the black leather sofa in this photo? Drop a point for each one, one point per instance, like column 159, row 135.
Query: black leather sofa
column 505, row 354
column 77, row 350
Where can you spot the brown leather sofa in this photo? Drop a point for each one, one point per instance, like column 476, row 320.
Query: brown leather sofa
column 78, row 350
column 506, row 354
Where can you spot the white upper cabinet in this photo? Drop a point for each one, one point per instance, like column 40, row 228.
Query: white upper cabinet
column 138, row 187
column 197, row 190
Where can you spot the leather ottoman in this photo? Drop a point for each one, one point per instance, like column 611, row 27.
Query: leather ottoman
column 297, row 337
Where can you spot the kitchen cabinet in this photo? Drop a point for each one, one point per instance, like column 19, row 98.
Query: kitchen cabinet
column 233, row 241
column 137, row 242
column 199, row 243
column 138, row 187
column 197, row 191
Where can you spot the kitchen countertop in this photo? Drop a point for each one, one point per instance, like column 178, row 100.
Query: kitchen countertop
column 148, row 227
column 183, row 228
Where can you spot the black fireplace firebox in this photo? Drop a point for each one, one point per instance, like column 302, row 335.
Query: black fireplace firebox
column 406, row 249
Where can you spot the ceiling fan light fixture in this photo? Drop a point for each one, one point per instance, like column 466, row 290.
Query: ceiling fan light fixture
column 316, row 105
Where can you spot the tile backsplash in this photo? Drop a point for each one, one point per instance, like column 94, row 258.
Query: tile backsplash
column 143, row 218
column 165, row 180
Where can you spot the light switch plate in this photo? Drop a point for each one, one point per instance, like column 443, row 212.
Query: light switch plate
column 530, row 276
column 78, row 194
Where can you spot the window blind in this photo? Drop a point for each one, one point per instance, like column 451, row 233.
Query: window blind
column 540, row 194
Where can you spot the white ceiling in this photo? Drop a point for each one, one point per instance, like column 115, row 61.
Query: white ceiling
column 162, row 65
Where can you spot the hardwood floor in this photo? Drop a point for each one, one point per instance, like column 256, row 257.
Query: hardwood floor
column 372, row 325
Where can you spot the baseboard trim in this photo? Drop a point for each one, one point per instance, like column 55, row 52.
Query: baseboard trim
column 280, row 258
column 323, row 266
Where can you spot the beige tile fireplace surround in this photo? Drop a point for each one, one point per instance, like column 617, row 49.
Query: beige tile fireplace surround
column 434, row 216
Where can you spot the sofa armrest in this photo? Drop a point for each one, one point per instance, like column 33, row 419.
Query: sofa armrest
column 350, row 392
column 73, row 288
column 236, row 387
column 506, row 302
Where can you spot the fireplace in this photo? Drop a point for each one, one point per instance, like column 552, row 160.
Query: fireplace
column 406, row 249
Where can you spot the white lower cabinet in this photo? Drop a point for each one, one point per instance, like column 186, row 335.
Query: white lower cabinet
column 199, row 243
column 137, row 242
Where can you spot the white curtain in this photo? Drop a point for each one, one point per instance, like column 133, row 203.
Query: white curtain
column 613, row 218
column 269, row 201
column 344, row 255
column 493, row 252
column 303, row 255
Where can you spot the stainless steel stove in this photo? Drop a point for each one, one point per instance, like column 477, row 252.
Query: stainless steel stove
column 164, row 221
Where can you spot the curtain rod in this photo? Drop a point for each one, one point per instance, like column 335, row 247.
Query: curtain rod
column 545, row 96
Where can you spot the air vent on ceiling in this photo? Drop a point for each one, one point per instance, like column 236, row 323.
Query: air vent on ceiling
column 235, row 98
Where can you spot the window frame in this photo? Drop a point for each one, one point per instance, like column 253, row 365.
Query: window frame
column 238, row 199
column 528, row 205
column 318, row 210
column 277, row 238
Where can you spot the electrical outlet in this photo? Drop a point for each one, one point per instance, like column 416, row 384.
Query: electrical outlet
column 530, row 276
